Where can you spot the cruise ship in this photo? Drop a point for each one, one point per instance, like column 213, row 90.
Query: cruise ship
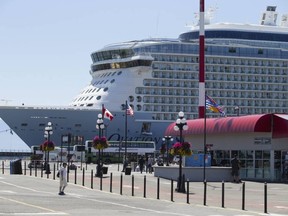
column 246, row 68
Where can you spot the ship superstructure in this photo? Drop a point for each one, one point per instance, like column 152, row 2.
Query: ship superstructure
column 246, row 66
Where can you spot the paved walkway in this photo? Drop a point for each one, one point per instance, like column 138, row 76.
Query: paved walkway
column 31, row 195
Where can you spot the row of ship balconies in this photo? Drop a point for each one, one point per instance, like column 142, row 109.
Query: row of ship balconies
column 219, row 60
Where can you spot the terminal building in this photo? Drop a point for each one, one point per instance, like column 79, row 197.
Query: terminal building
column 260, row 141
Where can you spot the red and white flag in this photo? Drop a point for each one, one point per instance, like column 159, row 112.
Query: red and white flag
column 129, row 110
column 107, row 114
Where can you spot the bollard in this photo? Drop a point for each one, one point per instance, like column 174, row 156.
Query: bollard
column 205, row 192
column 30, row 170
column 3, row 167
column 158, row 188
column 35, row 171
column 24, row 167
column 223, row 193
column 75, row 176
column 172, row 190
column 91, row 178
column 42, row 172
column 132, row 185
column 243, row 196
column 54, row 171
column 101, row 180
column 111, row 182
column 83, row 177
column 187, row 191
column 265, row 197
column 121, row 183
column 144, row 192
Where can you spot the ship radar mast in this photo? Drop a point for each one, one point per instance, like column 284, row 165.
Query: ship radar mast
column 269, row 17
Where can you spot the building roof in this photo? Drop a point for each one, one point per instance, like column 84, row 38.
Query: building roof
column 275, row 123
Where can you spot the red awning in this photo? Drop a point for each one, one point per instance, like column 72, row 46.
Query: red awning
column 280, row 129
column 250, row 123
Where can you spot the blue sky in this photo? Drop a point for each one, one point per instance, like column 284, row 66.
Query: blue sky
column 45, row 45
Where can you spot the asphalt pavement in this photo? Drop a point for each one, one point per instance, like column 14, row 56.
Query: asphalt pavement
column 116, row 193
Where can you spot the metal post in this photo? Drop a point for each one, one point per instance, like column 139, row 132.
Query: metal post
column 187, row 191
column 83, row 177
column 75, row 176
column 158, row 188
column 172, row 190
column 223, row 194
column 132, row 185
column 121, row 184
column 92, row 179
column 265, row 197
column 243, row 196
column 144, row 195
column 111, row 176
column 205, row 192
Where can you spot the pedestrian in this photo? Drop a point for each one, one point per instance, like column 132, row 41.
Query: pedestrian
column 63, row 178
column 141, row 163
column 150, row 164
column 235, row 168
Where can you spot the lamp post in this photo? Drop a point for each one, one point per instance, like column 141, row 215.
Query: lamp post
column 100, row 126
column 48, row 132
column 181, row 124
column 167, row 139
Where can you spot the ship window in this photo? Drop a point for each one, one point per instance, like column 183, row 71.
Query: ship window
column 119, row 73
column 139, row 99
column 98, row 89
column 89, row 105
column 112, row 81
column 98, row 97
column 77, row 125
column 105, row 89
column 131, row 98
column 42, row 125
column 91, row 97
column 106, row 81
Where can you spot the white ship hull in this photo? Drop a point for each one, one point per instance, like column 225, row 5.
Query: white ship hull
column 29, row 123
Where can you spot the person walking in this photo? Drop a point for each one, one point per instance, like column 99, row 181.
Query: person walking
column 141, row 163
column 63, row 179
column 150, row 164
column 235, row 169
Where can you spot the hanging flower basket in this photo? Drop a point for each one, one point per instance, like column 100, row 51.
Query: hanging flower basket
column 47, row 146
column 183, row 149
column 163, row 149
column 100, row 143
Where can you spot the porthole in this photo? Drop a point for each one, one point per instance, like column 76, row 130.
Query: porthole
column 112, row 81
column 98, row 97
column 105, row 89
column 139, row 98
column 131, row 98
column 119, row 73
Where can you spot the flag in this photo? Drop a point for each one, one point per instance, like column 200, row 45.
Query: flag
column 106, row 114
column 129, row 110
column 213, row 106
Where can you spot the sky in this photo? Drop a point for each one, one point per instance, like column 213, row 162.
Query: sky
column 45, row 45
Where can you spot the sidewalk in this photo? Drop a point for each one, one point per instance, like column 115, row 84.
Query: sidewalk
column 277, row 201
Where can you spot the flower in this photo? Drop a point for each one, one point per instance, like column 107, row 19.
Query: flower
column 100, row 143
column 47, row 146
column 182, row 149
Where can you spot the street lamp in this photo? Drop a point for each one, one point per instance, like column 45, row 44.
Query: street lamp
column 181, row 124
column 167, row 139
column 100, row 126
column 48, row 132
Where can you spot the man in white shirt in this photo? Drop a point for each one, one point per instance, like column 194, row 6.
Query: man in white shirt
column 63, row 179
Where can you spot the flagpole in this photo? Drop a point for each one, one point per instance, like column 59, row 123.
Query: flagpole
column 204, row 165
column 125, row 156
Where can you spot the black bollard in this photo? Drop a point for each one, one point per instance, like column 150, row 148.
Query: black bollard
column 111, row 176
column 172, row 190
column 144, row 192
column 101, row 181
column 265, row 197
column 243, row 196
column 223, row 193
column 205, row 192
column 121, row 184
column 187, row 191
column 75, row 176
column 91, row 178
column 158, row 188
column 132, row 185
column 83, row 177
